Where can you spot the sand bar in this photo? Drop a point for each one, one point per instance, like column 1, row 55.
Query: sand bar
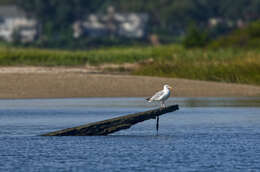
column 33, row 82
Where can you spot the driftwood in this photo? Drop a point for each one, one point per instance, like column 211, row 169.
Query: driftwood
column 115, row 124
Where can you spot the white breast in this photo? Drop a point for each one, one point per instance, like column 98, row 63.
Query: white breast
column 166, row 95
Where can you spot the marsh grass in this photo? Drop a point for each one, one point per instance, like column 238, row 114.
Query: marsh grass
column 226, row 65
column 41, row 57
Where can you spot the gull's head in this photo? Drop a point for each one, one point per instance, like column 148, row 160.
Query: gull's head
column 167, row 87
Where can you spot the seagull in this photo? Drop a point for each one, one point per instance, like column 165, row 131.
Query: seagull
column 161, row 96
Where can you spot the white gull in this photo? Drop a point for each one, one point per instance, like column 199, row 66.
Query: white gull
column 161, row 96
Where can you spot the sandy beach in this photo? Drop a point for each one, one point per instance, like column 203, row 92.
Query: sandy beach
column 40, row 82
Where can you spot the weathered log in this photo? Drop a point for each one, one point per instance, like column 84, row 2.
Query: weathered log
column 112, row 125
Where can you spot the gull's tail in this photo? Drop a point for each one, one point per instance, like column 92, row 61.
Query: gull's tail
column 148, row 99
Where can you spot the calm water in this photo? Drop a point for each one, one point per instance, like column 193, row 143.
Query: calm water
column 206, row 134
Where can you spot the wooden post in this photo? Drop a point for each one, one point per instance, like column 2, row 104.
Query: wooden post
column 115, row 124
column 157, row 124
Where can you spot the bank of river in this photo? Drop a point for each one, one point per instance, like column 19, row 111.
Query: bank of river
column 75, row 82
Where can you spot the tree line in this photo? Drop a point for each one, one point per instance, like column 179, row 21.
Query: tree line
column 169, row 19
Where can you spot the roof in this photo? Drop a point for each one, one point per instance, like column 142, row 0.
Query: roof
column 11, row 11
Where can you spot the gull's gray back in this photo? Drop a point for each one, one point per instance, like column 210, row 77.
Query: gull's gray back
column 158, row 95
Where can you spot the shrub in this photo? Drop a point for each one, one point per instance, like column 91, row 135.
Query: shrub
column 195, row 38
column 248, row 37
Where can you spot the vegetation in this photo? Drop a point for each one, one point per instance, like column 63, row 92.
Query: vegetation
column 6, row 2
column 169, row 19
column 233, row 57
column 227, row 65
column 195, row 38
column 43, row 57
column 248, row 37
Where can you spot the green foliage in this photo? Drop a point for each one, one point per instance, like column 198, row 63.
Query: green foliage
column 228, row 65
column 195, row 38
column 248, row 37
column 40, row 57
column 7, row 2
column 57, row 17
column 168, row 18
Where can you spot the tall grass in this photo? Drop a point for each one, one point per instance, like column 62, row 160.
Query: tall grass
column 227, row 65
column 246, row 37
column 40, row 57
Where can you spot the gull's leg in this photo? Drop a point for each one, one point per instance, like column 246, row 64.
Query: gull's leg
column 163, row 104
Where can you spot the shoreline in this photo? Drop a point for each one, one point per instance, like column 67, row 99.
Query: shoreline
column 42, row 82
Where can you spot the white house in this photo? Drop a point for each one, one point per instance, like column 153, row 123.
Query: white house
column 14, row 20
column 131, row 25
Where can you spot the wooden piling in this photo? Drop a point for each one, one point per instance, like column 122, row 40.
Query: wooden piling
column 113, row 125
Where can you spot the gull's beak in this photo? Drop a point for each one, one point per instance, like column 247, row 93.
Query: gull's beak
column 170, row 88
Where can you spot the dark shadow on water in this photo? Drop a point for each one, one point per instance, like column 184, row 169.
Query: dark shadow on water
column 105, row 137
column 141, row 136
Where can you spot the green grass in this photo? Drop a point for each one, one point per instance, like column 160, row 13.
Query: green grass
column 225, row 65
column 247, row 37
column 40, row 57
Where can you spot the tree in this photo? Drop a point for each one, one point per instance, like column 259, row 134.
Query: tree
column 195, row 37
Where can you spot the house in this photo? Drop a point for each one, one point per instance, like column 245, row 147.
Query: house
column 130, row 25
column 14, row 24
column 217, row 21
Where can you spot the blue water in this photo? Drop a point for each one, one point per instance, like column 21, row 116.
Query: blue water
column 206, row 134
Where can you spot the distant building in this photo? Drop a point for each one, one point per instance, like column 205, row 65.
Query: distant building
column 131, row 25
column 15, row 23
column 214, row 22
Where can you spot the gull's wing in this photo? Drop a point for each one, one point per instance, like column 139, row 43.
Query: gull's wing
column 158, row 95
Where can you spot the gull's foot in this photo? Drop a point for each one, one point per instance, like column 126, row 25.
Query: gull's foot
column 162, row 107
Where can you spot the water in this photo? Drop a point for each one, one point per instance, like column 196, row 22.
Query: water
column 206, row 134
